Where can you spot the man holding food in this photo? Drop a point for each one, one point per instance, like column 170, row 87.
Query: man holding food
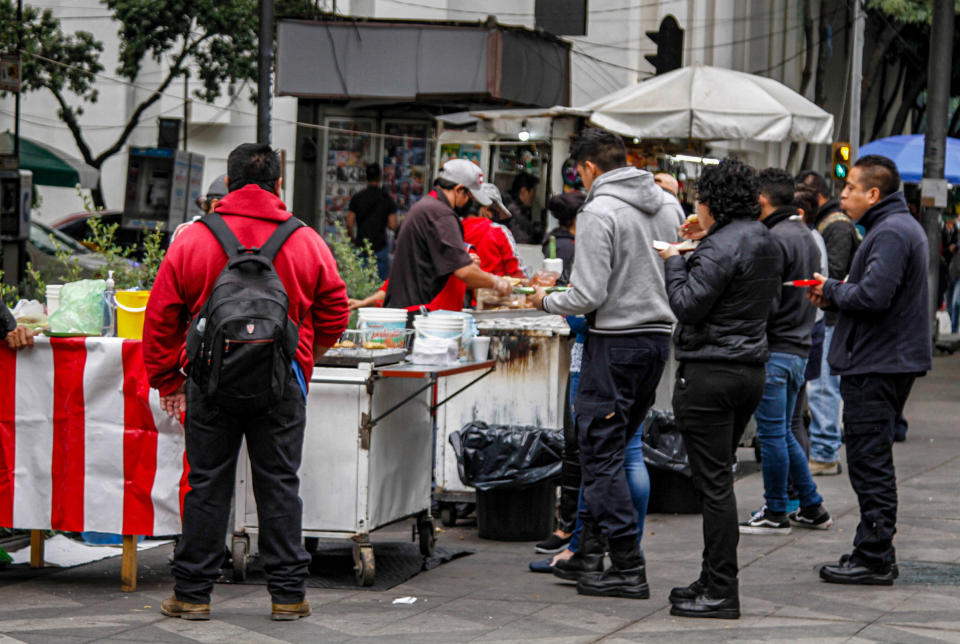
column 430, row 247
column 618, row 285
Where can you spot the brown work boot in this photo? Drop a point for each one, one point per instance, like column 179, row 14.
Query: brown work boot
column 173, row 607
column 819, row 468
column 290, row 612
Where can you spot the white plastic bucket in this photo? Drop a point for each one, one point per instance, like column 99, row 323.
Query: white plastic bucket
column 447, row 328
column 374, row 318
column 52, row 297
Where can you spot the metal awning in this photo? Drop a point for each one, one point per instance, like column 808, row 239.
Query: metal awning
column 421, row 61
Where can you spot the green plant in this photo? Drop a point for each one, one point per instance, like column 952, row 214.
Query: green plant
column 357, row 266
column 9, row 294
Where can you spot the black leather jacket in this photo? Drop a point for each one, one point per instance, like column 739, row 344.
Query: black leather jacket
column 722, row 296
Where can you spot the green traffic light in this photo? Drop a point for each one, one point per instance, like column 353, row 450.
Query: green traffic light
column 840, row 171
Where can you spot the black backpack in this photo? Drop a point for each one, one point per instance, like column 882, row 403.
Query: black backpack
column 241, row 344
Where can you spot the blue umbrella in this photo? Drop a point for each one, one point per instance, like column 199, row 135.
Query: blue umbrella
column 906, row 151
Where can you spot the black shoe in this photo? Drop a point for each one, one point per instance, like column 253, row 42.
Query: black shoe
column 630, row 583
column 851, row 571
column 686, row 593
column 553, row 544
column 577, row 566
column 766, row 522
column 815, row 517
column 704, row 606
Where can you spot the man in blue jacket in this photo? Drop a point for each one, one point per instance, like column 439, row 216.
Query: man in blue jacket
column 881, row 344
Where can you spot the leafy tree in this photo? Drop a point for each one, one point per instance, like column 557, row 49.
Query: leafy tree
column 219, row 38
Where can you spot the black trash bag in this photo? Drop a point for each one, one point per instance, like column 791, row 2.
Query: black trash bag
column 663, row 446
column 491, row 457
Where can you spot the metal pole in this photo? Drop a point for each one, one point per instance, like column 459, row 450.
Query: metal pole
column 16, row 102
column 264, row 68
column 856, row 78
column 186, row 109
column 934, row 188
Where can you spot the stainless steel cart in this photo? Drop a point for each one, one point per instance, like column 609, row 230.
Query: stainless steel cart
column 367, row 458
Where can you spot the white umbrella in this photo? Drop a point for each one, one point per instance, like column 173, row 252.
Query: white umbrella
column 712, row 103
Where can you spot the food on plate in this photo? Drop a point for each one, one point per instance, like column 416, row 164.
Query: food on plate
column 345, row 344
column 374, row 345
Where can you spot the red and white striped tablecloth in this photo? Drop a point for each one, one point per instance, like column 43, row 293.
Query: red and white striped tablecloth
column 83, row 442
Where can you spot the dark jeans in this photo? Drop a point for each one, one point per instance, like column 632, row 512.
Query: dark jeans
column 871, row 405
column 570, row 469
column 274, row 443
column 618, row 383
column 713, row 402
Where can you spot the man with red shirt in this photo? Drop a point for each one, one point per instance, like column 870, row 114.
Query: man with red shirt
column 317, row 296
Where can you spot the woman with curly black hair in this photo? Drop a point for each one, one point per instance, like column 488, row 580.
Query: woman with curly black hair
column 722, row 297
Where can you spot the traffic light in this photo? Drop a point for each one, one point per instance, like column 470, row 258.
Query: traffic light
column 841, row 161
column 669, row 41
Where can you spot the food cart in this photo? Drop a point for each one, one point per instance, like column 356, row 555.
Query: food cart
column 367, row 457
column 529, row 387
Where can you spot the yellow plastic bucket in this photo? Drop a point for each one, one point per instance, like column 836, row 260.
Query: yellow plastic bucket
column 131, row 310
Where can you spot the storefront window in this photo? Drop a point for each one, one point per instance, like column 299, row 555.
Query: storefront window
column 405, row 168
column 350, row 147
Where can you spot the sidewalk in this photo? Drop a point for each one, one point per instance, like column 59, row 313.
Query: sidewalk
column 490, row 596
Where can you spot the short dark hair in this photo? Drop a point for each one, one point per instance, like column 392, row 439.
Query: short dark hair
column 523, row 180
column 565, row 206
column 805, row 198
column 729, row 190
column 254, row 163
column 816, row 181
column 605, row 149
column 777, row 186
column 446, row 184
column 373, row 172
column 879, row 172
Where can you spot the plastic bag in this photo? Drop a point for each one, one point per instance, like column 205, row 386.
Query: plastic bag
column 81, row 309
column 30, row 313
column 491, row 457
column 663, row 446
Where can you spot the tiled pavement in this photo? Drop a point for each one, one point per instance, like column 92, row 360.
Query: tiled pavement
column 490, row 597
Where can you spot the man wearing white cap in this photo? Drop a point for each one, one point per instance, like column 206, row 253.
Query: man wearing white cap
column 431, row 247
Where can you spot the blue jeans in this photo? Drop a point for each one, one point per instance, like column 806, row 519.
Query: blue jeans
column 823, row 399
column 383, row 262
column 953, row 305
column 782, row 455
column 637, row 480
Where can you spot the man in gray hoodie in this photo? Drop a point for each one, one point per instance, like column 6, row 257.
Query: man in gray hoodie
column 618, row 284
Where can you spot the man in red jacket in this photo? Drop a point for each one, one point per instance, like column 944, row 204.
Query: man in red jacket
column 252, row 210
column 494, row 241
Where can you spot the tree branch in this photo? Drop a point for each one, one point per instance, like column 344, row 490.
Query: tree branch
column 175, row 70
column 876, row 60
column 68, row 116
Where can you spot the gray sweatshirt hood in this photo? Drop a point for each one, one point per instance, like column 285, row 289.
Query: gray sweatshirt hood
column 630, row 185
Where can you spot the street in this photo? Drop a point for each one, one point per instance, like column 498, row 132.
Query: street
column 491, row 597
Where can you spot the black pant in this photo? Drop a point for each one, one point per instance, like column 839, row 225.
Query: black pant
column 570, row 471
column 275, row 444
column 712, row 402
column 871, row 405
column 618, row 383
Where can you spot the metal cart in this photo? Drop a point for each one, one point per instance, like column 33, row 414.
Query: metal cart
column 367, row 458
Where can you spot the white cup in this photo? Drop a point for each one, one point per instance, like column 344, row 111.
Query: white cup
column 554, row 265
column 480, row 348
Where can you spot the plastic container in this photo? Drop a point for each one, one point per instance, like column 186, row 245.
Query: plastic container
column 517, row 514
column 480, row 348
column 52, row 297
column 109, row 329
column 554, row 265
column 131, row 311
column 447, row 328
column 468, row 328
column 384, row 326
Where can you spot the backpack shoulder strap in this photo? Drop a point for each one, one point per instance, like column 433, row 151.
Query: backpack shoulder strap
column 220, row 229
column 832, row 219
column 279, row 236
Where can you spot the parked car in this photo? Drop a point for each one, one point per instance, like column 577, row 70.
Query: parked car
column 42, row 252
column 77, row 226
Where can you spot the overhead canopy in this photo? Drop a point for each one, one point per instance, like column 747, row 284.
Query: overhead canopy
column 50, row 166
column 906, row 151
column 421, row 61
column 712, row 103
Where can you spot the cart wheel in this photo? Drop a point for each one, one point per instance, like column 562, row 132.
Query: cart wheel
column 240, row 553
column 364, row 568
column 448, row 514
column 428, row 535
